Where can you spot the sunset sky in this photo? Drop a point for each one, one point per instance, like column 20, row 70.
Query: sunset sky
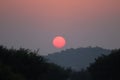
column 34, row 23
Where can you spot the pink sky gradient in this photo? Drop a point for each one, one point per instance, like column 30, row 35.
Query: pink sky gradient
column 34, row 23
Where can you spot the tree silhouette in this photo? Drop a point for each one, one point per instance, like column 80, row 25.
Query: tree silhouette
column 28, row 65
column 106, row 67
column 23, row 64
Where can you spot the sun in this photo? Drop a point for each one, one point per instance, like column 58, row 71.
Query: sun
column 59, row 42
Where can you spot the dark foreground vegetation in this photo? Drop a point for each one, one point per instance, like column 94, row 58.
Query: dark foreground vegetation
column 23, row 64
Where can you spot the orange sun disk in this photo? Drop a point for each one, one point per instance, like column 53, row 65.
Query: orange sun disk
column 59, row 42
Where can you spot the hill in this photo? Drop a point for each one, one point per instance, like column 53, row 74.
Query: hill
column 77, row 58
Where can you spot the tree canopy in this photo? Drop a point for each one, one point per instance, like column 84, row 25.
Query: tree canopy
column 28, row 65
column 24, row 64
column 106, row 67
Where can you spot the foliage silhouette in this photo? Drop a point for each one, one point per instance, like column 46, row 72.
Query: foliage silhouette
column 106, row 67
column 23, row 64
column 28, row 65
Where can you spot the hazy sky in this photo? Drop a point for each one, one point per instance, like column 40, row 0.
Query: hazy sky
column 34, row 23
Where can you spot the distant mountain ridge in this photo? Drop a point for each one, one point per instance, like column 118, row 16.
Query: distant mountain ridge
column 77, row 58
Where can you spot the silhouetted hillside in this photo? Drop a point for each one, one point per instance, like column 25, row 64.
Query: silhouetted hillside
column 77, row 58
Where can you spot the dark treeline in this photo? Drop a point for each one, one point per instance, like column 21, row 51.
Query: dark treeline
column 23, row 64
column 106, row 67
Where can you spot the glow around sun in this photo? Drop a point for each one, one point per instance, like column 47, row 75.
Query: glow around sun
column 59, row 42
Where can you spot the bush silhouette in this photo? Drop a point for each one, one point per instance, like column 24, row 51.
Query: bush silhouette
column 106, row 67
column 26, row 64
